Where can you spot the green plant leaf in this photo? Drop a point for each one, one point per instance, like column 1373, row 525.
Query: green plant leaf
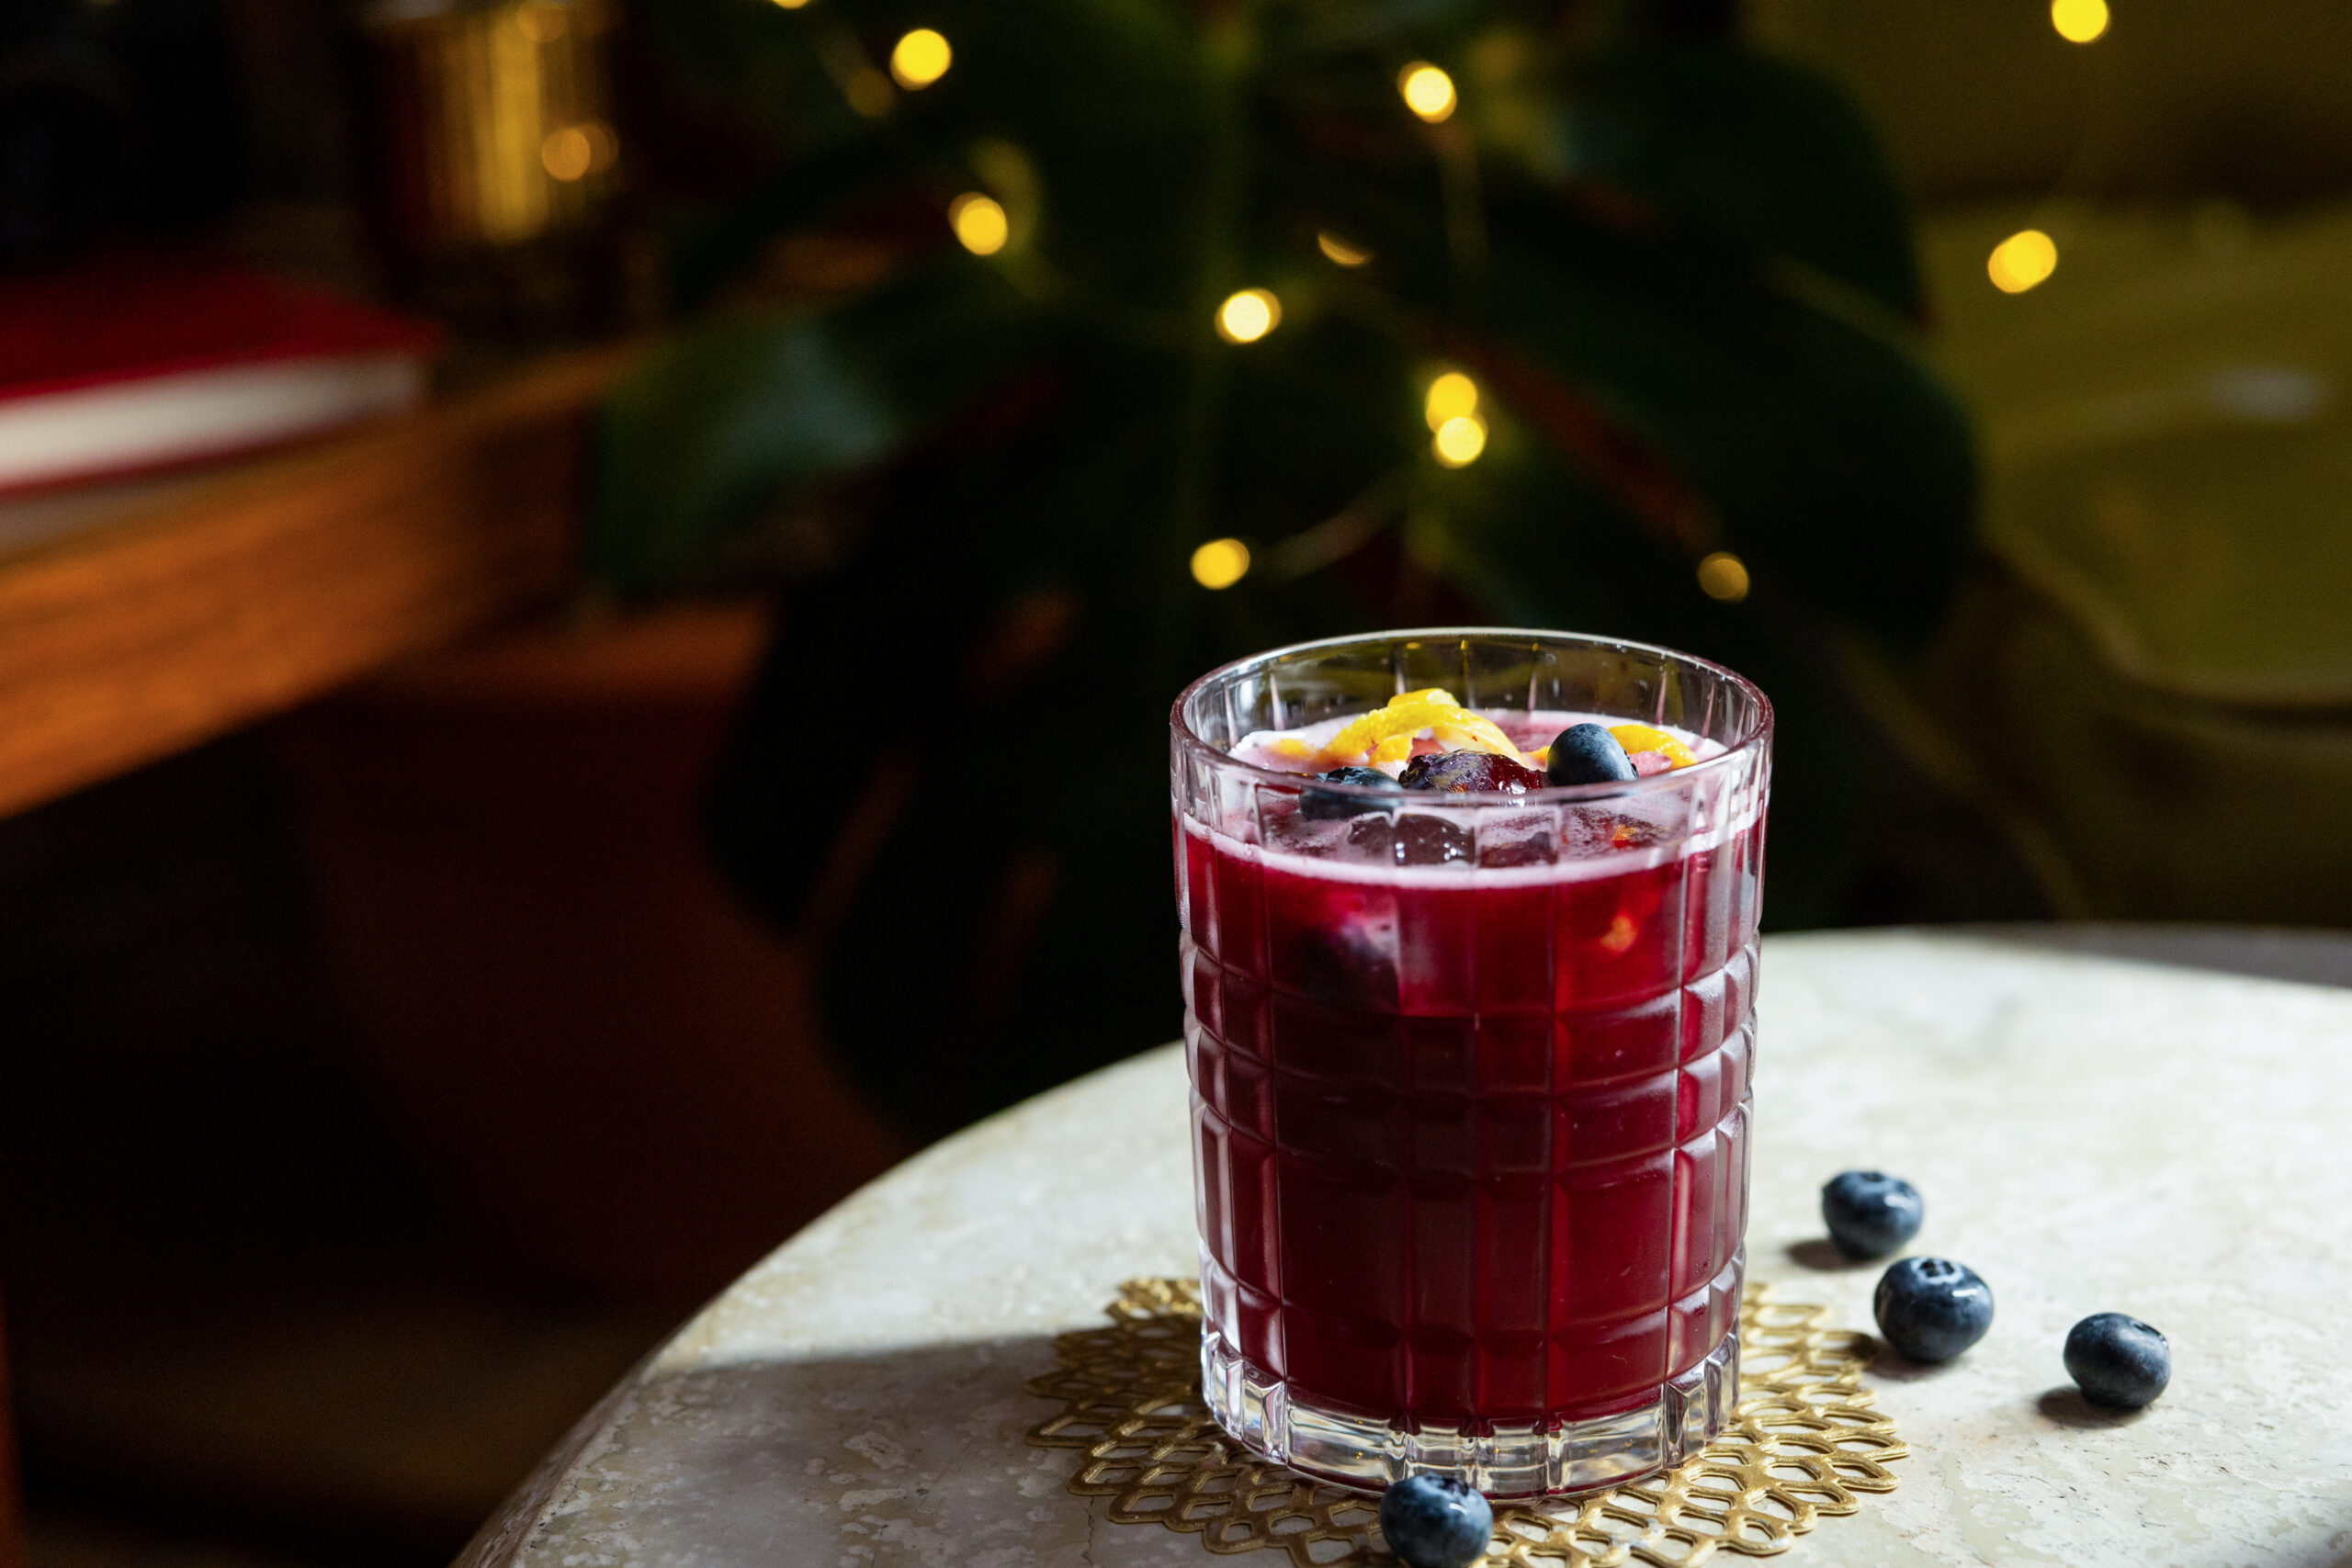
column 729, row 420
column 1764, row 153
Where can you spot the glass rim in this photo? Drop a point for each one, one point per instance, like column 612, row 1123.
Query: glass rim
column 1193, row 744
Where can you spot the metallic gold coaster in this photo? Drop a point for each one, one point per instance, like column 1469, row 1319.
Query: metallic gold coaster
column 1804, row 1444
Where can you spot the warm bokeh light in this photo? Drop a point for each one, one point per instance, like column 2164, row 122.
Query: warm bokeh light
column 2078, row 21
column 921, row 58
column 2024, row 259
column 1339, row 251
column 1724, row 576
column 1247, row 316
column 543, row 23
column 565, row 153
column 1428, row 92
column 576, row 151
column 792, row 5
column 1458, row 440
column 1220, row 563
column 979, row 222
column 1451, row 396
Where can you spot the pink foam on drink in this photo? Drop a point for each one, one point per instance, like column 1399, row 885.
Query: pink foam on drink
column 1472, row 1131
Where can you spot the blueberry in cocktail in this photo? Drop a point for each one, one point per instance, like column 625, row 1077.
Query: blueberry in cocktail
column 1469, row 952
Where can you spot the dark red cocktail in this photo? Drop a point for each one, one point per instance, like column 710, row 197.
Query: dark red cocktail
column 1470, row 1071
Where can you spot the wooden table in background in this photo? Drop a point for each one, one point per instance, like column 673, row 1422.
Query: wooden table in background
column 204, row 603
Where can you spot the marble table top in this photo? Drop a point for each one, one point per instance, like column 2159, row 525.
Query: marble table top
column 2091, row 1133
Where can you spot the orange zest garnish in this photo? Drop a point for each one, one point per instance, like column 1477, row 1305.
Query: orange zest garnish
column 1642, row 737
column 1290, row 749
column 1405, row 716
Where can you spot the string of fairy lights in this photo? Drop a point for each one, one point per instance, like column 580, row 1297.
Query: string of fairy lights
column 1450, row 402
column 2022, row 262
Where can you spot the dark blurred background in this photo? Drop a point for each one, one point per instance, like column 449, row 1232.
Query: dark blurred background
column 383, row 1073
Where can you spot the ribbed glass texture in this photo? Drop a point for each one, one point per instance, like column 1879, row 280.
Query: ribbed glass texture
column 1470, row 1076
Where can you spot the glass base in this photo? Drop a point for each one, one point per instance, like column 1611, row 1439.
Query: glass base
column 1264, row 1415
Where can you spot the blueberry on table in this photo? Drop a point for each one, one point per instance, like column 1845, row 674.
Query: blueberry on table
column 1470, row 772
column 1871, row 1214
column 1436, row 1521
column 1327, row 806
column 1586, row 753
column 1931, row 1309
column 2117, row 1360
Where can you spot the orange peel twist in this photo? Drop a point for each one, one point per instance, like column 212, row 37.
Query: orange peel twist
column 1407, row 715
column 1642, row 737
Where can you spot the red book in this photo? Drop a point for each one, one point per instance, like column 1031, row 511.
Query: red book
column 124, row 366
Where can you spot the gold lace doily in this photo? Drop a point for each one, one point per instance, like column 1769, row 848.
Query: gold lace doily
column 1804, row 1444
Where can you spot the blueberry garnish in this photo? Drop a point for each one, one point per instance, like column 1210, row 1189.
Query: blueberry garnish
column 1470, row 772
column 1871, row 1214
column 1587, row 753
column 2118, row 1361
column 1932, row 1309
column 1436, row 1521
column 1326, row 806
